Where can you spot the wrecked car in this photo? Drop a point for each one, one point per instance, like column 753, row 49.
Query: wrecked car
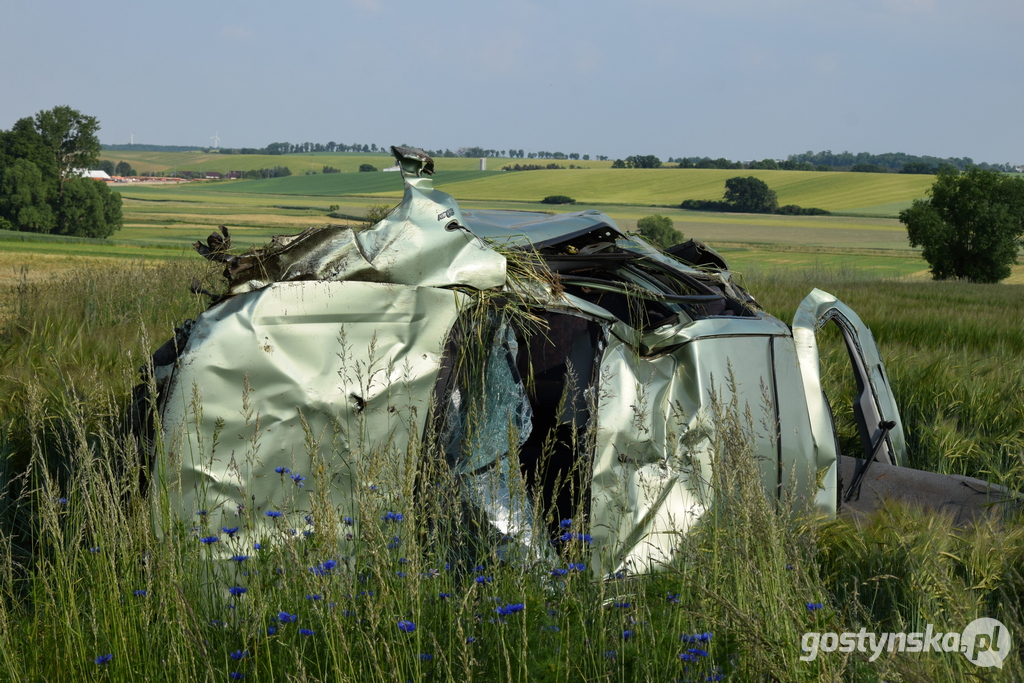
column 554, row 362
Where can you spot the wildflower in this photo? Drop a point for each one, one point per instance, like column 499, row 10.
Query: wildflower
column 478, row 569
column 406, row 626
column 444, row 596
column 256, row 546
column 209, row 539
column 425, row 657
column 552, row 628
column 307, row 632
column 236, row 675
column 566, row 537
column 400, row 575
column 789, row 567
column 347, row 520
column 559, row 571
column 239, row 654
column 577, row 567
column 395, row 542
column 627, row 634
column 62, row 501
column 673, row 598
column 696, row 637
column 271, row 630
column 282, row 470
column 230, row 532
column 373, row 487
column 239, row 558
column 307, row 533
column 94, row 549
column 393, row 517
column 237, row 590
column 298, row 479
column 505, row 610
column 622, row 605
column 286, row 618
column 273, row 513
column 565, row 523
column 309, row 520
column 610, row 654
column 103, row 659
column 814, row 606
column 314, row 596
column 471, row 639
column 140, row 593
column 714, row 677
column 484, row 579
column 201, row 513
column 403, row 560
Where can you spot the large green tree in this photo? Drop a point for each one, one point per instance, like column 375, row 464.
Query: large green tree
column 971, row 226
column 39, row 189
column 750, row 195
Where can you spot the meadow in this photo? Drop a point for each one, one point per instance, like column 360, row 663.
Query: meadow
column 88, row 591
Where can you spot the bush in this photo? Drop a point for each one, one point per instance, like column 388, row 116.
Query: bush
column 367, row 168
column 557, row 199
column 658, row 230
column 794, row 210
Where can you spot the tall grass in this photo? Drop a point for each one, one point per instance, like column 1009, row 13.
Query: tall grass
column 389, row 589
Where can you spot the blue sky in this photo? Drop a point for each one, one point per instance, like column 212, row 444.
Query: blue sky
column 742, row 79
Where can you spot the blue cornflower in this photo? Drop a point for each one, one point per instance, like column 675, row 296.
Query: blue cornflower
column 103, row 659
column 673, row 598
column 395, row 542
column 565, row 523
column 610, row 654
column 406, row 626
column 236, row 675
column 373, row 487
column 789, row 567
column 484, row 579
column 478, row 569
column 62, row 501
column 627, row 634
column 230, row 531
column 424, row 657
column 814, row 606
column 239, row 558
column 140, row 593
column 622, row 605
column 201, row 513
column 552, row 628
column 347, row 520
column 298, row 479
column 400, row 575
column 282, row 470
column 239, row 654
column 444, row 596
column 307, row 631
column 271, row 630
column 309, row 520
column 577, row 567
column 209, row 539
column 505, row 610
column 696, row 637
column 94, row 549
column 256, row 546
column 393, row 517
column 403, row 560
column 286, row 618
column 314, row 596
column 714, row 677
column 273, row 513
column 568, row 536
column 237, row 590
column 559, row 571
column 471, row 639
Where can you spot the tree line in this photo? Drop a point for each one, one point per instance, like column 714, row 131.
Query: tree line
column 41, row 187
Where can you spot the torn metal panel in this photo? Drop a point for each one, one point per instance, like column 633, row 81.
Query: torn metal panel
column 300, row 375
column 423, row 242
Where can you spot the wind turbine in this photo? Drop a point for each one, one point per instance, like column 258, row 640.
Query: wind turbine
column 133, row 138
column 216, row 139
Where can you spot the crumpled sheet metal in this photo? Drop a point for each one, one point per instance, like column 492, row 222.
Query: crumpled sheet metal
column 422, row 242
column 812, row 313
column 284, row 342
column 653, row 457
